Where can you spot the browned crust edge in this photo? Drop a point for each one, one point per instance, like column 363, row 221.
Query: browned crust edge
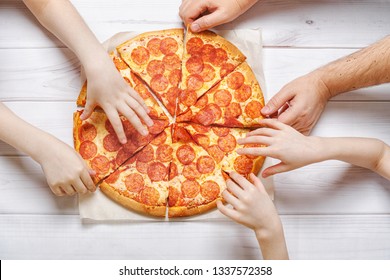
column 158, row 211
column 76, row 126
column 250, row 76
column 182, row 211
column 257, row 165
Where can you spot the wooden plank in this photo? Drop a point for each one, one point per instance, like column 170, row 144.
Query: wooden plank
column 306, row 23
column 54, row 74
column 308, row 237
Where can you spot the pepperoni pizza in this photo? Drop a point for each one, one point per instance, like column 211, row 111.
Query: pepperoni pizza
column 180, row 168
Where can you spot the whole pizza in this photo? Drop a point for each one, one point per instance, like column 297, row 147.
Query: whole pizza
column 202, row 96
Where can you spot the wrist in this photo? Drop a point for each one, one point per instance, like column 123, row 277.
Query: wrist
column 319, row 78
column 273, row 229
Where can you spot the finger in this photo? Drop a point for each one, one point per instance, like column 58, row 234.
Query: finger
column 235, row 189
column 69, row 190
column 290, row 115
column 263, row 140
column 87, row 181
column 225, row 210
column 276, row 102
column 273, row 123
column 116, row 123
column 140, row 111
column 207, row 21
column 89, row 107
column 139, row 99
column 79, row 186
column 240, row 180
column 191, row 10
column 257, row 182
column 265, row 131
column 58, row 191
column 259, row 151
column 275, row 169
column 231, row 199
column 134, row 120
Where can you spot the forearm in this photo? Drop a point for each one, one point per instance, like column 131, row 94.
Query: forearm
column 273, row 244
column 367, row 67
column 21, row 135
column 63, row 20
column 365, row 152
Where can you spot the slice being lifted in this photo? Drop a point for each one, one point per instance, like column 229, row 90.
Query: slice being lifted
column 156, row 57
column 208, row 58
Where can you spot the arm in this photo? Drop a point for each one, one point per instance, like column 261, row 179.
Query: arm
column 295, row 150
column 106, row 87
column 206, row 14
column 65, row 171
column 253, row 208
column 307, row 96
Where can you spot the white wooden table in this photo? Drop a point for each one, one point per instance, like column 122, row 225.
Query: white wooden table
column 330, row 210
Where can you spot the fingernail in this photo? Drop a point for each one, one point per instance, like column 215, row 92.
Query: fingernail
column 144, row 132
column 149, row 123
column 239, row 151
column 266, row 110
column 195, row 27
column 123, row 141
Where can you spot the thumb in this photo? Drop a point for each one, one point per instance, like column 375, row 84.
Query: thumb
column 276, row 102
column 207, row 22
column 275, row 169
column 89, row 107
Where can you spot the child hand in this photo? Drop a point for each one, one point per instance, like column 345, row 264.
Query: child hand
column 282, row 142
column 217, row 12
column 66, row 172
column 108, row 89
column 252, row 207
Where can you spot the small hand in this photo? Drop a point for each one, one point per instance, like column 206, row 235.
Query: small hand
column 299, row 103
column 282, row 142
column 108, row 89
column 206, row 14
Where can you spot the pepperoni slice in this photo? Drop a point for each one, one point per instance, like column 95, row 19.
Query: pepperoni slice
column 149, row 196
column 119, row 63
column 243, row 165
column 142, row 91
column 113, row 177
column 88, row 149
column 209, row 190
column 134, row 182
column 137, row 140
column 185, row 154
column 194, row 82
column 157, row 171
column 160, row 139
column 191, row 172
column 140, row 55
column 208, row 53
column 174, row 77
column 195, row 65
column 226, row 69
column 205, row 164
column 202, row 101
column 100, row 164
column 208, row 73
column 184, row 117
column 154, row 46
column 243, row 93
column 216, row 153
column 171, row 62
column 153, row 113
column 158, row 126
column 142, row 167
column 135, row 78
column 164, row 153
column 172, row 95
column 200, row 128
column 168, row 46
column 87, row 132
column 220, row 57
column 111, row 143
column 173, row 196
column 188, row 97
column 253, row 108
column 194, row 45
column 202, row 140
column 221, row 131
column 128, row 128
column 155, row 67
column 173, row 172
column 205, row 116
column 235, row 80
column 222, row 97
column 122, row 156
column 227, row 143
column 127, row 80
column 190, row 188
column 216, row 110
column 233, row 110
column 146, row 154
column 181, row 134
column 159, row 83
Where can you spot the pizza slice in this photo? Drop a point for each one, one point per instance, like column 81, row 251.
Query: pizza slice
column 156, row 112
column 207, row 58
column 196, row 183
column 221, row 144
column 235, row 101
column 141, row 184
column 98, row 145
column 156, row 58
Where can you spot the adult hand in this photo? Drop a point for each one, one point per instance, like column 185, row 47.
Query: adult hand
column 205, row 14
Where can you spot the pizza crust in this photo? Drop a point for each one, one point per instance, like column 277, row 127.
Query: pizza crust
column 182, row 211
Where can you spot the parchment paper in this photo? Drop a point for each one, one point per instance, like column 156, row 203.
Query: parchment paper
column 98, row 207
